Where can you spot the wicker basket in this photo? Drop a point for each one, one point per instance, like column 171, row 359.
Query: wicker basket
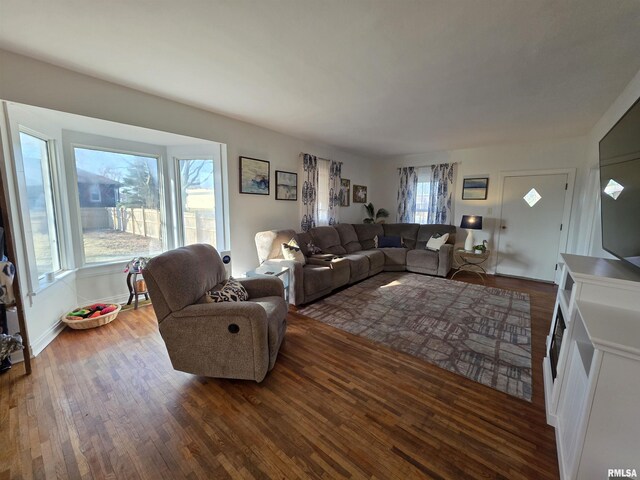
column 92, row 322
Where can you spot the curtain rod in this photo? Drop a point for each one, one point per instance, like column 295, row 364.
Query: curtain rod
column 319, row 158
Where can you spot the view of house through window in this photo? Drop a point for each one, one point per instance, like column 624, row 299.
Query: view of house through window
column 197, row 200
column 37, row 173
column 120, row 205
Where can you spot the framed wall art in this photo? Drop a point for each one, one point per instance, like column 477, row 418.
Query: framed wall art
column 475, row 188
column 286, row 185
column 345, row 192
column 254, row 176
column 359, row 194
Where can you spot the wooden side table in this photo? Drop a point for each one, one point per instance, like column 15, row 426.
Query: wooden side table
column 471, row 262
column 132, row 284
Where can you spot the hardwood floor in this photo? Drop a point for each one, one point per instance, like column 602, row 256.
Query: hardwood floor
column 105, row 403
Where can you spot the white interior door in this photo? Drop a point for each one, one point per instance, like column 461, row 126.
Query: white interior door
column 531, row 225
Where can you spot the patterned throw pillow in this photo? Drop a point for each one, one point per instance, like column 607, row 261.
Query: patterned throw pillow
column 232, row 291
column 436, row 241
column 313, row 249
column 291, row 251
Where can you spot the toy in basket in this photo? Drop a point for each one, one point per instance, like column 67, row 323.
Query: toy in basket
column 92, row 316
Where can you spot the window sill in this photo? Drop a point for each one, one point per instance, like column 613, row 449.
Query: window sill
column 44, row 284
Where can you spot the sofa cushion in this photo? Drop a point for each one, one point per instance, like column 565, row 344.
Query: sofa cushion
column 425, row 232
column 182, row 275
column 408, row 232
column 348, row 237
column 340, row 272
column 359, row 265
column 316, row 279
column 304, row 239
column 394, row 257
column 423, row 259
column 376, row 260
column 327, row 239
column 366, row 233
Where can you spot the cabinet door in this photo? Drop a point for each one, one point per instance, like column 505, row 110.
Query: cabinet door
column 571, row 411
column 612, row 439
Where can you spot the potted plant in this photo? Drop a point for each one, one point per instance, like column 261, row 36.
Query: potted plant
column 480, row 249
column 373, row 216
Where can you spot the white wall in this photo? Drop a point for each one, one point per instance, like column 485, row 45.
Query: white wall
column 485, row 162
column 44, row 302
column 29, row 81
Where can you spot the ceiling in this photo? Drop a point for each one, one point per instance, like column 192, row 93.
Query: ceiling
column 377, row 77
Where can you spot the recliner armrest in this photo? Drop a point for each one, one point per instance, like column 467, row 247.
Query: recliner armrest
column 263, row 287
column 219, row 309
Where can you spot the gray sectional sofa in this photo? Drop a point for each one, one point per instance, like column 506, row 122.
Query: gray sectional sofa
column 349, row 255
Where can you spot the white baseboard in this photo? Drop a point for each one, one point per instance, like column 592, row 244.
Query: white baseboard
column 46, row 338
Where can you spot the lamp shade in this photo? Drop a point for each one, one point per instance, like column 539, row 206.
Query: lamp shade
column 471, row 222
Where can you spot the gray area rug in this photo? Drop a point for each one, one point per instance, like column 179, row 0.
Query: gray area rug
column 482, row 333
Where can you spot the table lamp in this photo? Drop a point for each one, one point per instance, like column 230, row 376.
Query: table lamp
column 470, row 222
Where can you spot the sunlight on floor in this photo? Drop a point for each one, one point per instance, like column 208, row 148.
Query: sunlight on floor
column 395, row 283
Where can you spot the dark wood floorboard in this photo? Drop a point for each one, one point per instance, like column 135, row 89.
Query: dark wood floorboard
column 105, row 403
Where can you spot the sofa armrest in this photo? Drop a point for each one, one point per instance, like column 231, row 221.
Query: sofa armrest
column 445, row 259
column 263, row 287
column 322, row 256
column 324, row 261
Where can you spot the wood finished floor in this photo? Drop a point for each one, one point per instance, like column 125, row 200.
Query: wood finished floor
column 105, row 403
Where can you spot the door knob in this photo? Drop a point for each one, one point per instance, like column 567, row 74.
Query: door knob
column 503, row 227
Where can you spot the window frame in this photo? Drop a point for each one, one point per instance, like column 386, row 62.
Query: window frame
column 217, row 190
column 37, row 281
column 74, row 194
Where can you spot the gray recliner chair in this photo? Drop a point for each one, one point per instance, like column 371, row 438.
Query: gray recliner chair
column 229, row 339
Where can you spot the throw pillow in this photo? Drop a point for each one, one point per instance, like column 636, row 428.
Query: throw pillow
column 313, row 249
column 389, row 242
column 291, row 251
column 436, row 241
column 232, row 291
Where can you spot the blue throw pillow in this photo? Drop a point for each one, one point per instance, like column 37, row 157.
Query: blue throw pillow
column 389, row 242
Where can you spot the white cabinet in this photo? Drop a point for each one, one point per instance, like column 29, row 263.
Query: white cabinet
column 592, row 368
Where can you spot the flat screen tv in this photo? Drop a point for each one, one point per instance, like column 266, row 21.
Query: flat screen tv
column 620, row 187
